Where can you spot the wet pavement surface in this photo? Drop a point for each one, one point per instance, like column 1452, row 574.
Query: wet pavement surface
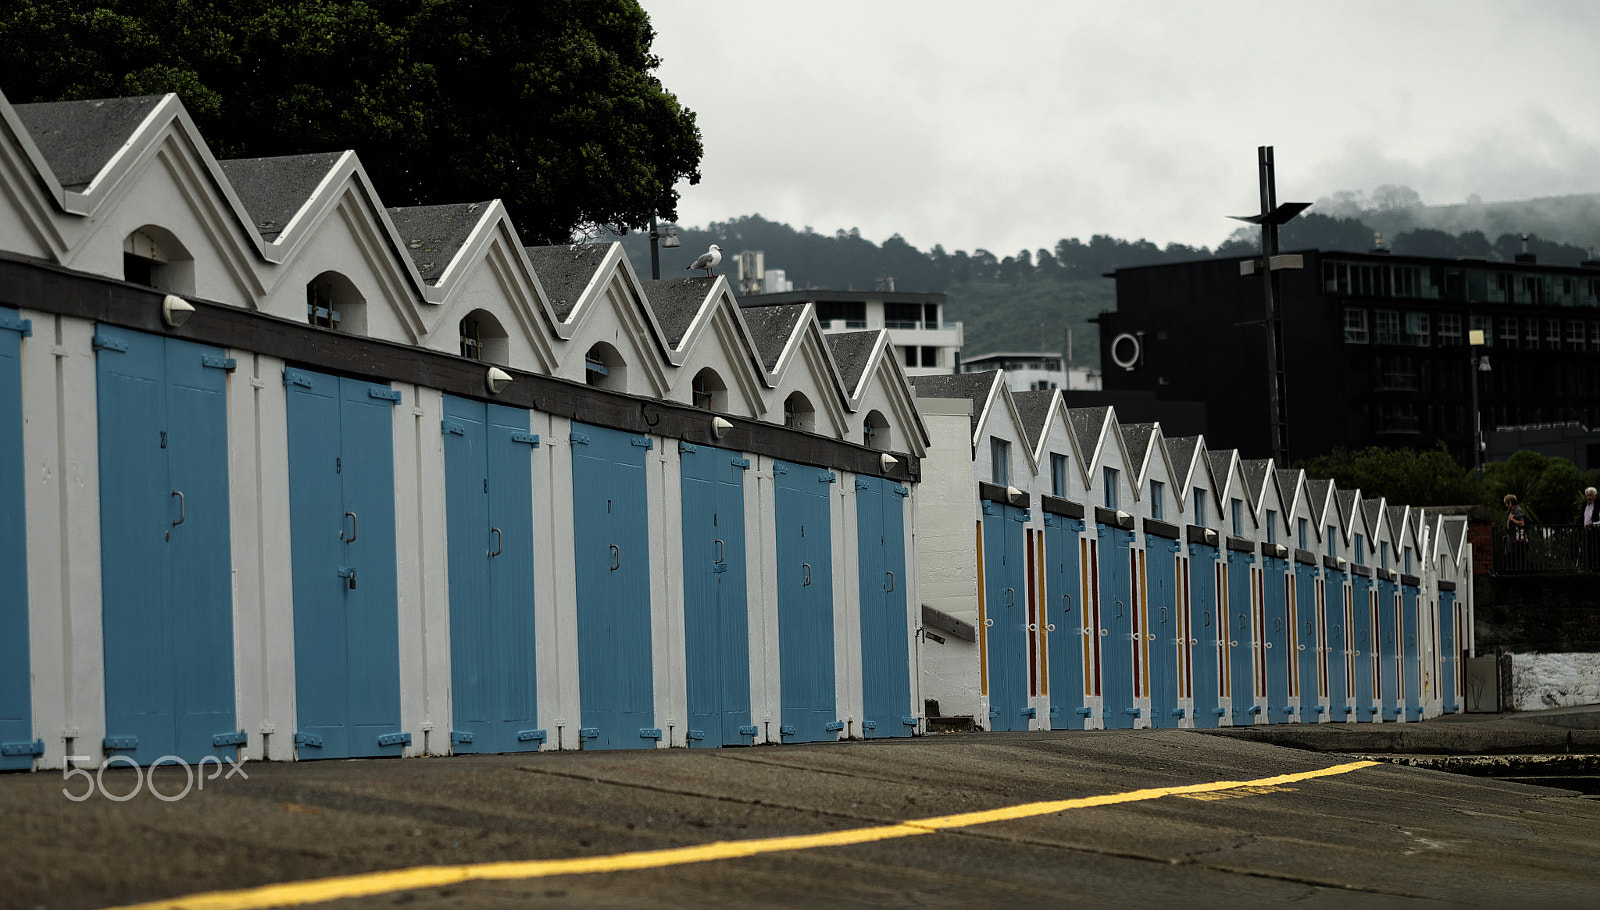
column 1386, row 835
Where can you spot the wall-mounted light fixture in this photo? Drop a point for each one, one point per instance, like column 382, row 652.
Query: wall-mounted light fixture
column 1014, row 495
column 175, row 311
column 497, row 380
column 888, row 461
column 720, row 427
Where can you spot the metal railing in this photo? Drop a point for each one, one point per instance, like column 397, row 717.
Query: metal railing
column 1547, row 550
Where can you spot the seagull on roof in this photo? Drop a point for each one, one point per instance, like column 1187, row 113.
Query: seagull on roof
column 708, row 261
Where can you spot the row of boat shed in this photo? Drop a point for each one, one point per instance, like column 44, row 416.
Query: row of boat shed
column 289, row 474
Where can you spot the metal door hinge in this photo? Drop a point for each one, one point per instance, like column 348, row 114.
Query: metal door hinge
column 748, row 731
column 579, row 439
column 643, row 442
column 120, row 743
column 104, row 342
column 17, row 324
column 1029, row 712
column 863, row 485
column 696, row 735
column 460, row 736
column 452, row 428
column 739, row 462
column 834, row 727
column 394, row 739
column 786, row 730
column 219, row 363
column 908, row 720
column 239, row 738
column 687, row 448
column 531, row 439
column 531, row 736
column 588, row 732
column 308, row 739
column 649, row 733
column 869, row 725
column 384, row 393
column 34, row 748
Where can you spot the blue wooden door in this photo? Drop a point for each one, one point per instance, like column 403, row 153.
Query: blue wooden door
column 1364, row 646
column 1388, row 650
column 1166, row 629
column 1241, row 635
column 1307, row 653
column 1411, row 666
column 1065, row 623
column 342, row 543
column 1275, row 582
column 715, row 602
column 489, row 521
column 1116, row 627
column 1006, row 615
column 885, row 639
column 166, row 567
column 18, row 745
column 1339, row 656
column 612, row 549
column 1447, row 650
column 807, row 697
column 1205, row 631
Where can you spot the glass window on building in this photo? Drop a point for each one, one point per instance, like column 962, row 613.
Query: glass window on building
column 1304, row 528
column 1449, row 329
column 1552, row 334
column 930, row 356
column 1272, row 526
column 1332, row 539
column 1361, row 550
column 1500, row 289
column 1530, row 334
column 1158, row 491
column 1508, row 331
column 1000, row 461
column 1383, row 556
column 1200, row 516
column 1575, row 335
column 1355, row 325
column 910, row 353
column 1111, row 475
column 1387, row 326
column 1238, row 518
column 1417, row 329
column 1407, row 281
column 1058, row 475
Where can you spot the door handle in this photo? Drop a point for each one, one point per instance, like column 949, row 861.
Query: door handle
column 355, row 527
column 499, row 543
column 721, row 551
column 616, row 557
column 1207, row 615
column 891, row 581
column 1011, row 597
column 1119, row 607
column 1163, row 615
column 807, row 567
column 183, row 510
column 1068, row 599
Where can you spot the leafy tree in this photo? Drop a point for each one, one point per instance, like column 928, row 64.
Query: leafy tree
column 552, row 106
column 1404, row 476
column 1550, row 489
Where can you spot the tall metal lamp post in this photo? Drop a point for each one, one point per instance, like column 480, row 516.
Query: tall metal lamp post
column 1480, row 364
column 1272, row 215
column 668, row 239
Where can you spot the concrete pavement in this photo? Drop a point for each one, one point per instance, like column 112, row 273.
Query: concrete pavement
column 1375, row 836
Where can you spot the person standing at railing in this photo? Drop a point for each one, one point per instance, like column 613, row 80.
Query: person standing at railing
column 1589, row 522
column 1516, row 533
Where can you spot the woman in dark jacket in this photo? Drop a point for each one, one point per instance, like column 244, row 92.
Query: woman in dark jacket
column 1516, row 533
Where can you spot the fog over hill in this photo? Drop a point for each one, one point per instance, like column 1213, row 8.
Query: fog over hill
column 1030, row 299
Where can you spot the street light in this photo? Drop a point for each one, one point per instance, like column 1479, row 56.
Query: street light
column 1272, row 215
column 1480, row 364
column 668, row 239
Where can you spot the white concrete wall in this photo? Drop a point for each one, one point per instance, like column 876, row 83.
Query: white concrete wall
column 947, row 556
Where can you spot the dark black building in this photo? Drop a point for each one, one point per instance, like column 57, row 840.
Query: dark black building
column 1376, row 347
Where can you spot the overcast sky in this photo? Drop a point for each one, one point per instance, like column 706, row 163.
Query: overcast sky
column 1010, row 125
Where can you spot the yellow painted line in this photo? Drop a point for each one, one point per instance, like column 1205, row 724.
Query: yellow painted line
column 293, row 894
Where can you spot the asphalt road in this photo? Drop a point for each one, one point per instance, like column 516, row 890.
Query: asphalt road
column 1383, row 836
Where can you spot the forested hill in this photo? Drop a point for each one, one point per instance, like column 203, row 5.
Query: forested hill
column 1029, row 299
